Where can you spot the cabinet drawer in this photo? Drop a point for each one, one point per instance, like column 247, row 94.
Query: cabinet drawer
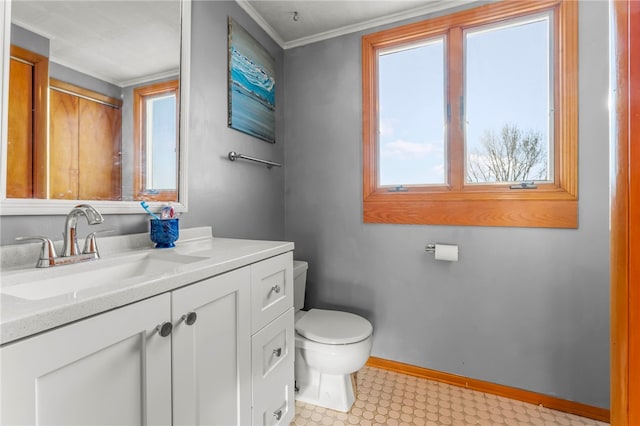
column 273, row 373
column 271, row 289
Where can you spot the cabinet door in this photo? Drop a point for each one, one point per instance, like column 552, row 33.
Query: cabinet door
column 27, row 124
column 99, row 146
column 63, row 145
column 20, row 131
column 111, row 369
column 85, row 148
column 212, row 356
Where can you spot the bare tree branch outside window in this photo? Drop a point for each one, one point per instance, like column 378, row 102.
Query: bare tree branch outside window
column 508, row 156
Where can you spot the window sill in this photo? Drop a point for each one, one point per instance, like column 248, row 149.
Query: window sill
column 547, row 210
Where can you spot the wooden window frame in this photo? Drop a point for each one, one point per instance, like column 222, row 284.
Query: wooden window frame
column 139, row 180
column 552, row 205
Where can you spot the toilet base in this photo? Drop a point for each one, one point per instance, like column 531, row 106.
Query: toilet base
column 332, row 391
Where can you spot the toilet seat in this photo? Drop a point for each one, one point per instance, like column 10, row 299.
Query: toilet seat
column 333, row 327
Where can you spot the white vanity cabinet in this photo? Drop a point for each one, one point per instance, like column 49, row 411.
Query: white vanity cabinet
column 212, row 351
column 272, row 342
column 110, row 369
column 226, row 358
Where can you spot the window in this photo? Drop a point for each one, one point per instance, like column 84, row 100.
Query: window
column 471, row 118
column 156, row 142
column 411, row 95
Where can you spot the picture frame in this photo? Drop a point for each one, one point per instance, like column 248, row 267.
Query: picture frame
column 251, row 84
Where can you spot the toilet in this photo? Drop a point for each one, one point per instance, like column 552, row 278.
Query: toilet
column 330, row 347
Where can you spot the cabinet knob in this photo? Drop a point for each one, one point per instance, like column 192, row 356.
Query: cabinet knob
column 277, row 352
column 277, row 414
column 190, row 318
column 276, row 288
column 165, row 329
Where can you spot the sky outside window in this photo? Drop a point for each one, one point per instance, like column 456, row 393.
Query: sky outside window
column 507, row 82
column 412, row 116
column 161, row 142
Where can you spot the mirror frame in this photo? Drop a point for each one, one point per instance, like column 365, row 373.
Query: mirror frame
column 31, row 207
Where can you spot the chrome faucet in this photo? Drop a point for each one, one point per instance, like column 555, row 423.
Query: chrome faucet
column 70, row 247
column 70, row 251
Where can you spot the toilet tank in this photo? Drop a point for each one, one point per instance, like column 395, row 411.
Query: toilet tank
column 299, row 283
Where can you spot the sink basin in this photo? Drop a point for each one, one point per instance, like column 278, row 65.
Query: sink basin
column 87, row 278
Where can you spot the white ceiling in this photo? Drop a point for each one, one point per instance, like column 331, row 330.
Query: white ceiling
column 126, row 42
column 122, row 42
column 323, row 19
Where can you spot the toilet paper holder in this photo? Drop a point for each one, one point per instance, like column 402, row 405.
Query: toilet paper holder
column 431, row 248
column 448, row 252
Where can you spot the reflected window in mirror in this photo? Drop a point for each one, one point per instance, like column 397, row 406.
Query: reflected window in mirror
column 156, row 141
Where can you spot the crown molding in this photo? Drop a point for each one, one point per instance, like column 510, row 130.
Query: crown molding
column 246, row 6
column 435, row 6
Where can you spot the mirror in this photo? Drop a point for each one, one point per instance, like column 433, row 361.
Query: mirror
column 108, row 99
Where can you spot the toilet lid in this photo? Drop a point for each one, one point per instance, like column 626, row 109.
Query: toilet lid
column 333, row 327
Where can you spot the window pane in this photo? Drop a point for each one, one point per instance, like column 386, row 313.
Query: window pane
column 411, row 131
column 161, row 131
column 508, row 131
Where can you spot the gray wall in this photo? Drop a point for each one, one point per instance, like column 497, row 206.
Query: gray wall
column 40, row 45
column 29, row 40
column 527, row 308
column 238, row 199
column 86, row 81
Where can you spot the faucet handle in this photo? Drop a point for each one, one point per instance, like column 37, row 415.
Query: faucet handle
column 91, row 244
column 47, row 251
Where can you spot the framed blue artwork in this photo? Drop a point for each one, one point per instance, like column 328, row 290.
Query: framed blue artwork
column 252, row 87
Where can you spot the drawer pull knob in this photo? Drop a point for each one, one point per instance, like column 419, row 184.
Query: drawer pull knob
column 190, row 318
column 277, row 414
column 164, row 329
column 277, row 352
column 276, row 288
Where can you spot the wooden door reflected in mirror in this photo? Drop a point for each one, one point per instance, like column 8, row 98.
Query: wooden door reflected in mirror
column 27, row 124
column 82, row 158
column 85, row 144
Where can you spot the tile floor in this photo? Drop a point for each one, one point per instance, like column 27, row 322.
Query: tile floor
column 393, row 399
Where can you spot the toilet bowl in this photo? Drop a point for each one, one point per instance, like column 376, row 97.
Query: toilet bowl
column 330, row 347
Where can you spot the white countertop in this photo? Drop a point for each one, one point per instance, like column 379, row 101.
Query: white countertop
column 22, row 317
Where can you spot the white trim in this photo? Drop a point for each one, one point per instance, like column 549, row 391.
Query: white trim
column 117, row 82
column 435, row 6
column 246, row 6
column 5, row 53
column 40, row 207
column 185, row 91
column 148, row 78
